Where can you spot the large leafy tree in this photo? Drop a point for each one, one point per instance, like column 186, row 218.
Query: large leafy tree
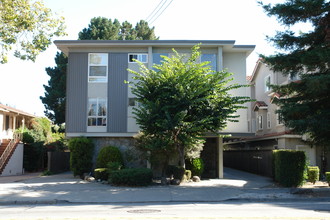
column 27, row 27
column 100, row 28
column 305, row 104
column 179, row 100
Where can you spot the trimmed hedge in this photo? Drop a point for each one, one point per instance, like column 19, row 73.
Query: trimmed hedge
column 327, row 177
column 313, row 173
column 101, row 174
column 177, row 172
column 289, row 166
column 131, row 177
column 109, row 154
column 81, row 157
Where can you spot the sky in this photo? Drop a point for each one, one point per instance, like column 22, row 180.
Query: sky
column 21, row 82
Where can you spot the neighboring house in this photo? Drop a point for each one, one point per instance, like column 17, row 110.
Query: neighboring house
column 99, row 103
column 11, row 151
column 263, row 121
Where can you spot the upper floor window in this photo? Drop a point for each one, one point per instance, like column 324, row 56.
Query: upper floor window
column 267, row 83
column 97, row 67
column 97, row 112
column 212, row 58
column 143, row 58
column 279, row 118
column 268, row 120
column 157, row 57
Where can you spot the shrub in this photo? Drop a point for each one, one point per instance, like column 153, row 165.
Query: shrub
column 196, row 166
column 177, row 172
column 289, row 167
column 188, row 174
column 327, row 177
column 109, row 154
column 101, row 174
column 313, row 174
column 33, row 156
column 82, row 150
column 131, row 177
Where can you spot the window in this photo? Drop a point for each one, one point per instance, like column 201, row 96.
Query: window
column 157, row 57
column 97, row 112
column 143, row 58
column 260, row 127
column 267, row 83
column 97, row 67
column 131, row 102
column 279, row 118
column 212, row 58
column 268, row 120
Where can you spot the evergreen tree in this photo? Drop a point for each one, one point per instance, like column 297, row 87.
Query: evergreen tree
column 54, row 99
column 100, row 28
column 304, row 103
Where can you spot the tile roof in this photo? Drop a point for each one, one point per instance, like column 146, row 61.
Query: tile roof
column 260, row 105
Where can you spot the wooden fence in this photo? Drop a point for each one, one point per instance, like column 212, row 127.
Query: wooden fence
column 253, row 161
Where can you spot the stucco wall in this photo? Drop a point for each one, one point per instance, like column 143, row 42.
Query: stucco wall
column 15, row 164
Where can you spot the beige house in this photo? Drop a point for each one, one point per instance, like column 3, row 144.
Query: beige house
column 11, row 150
column 266, row 125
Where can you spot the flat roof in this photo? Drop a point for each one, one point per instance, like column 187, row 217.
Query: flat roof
column 227, row 45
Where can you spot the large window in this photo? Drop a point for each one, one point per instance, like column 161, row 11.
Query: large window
column 143, row 58
column 97, row 112
column 97, row 67
column 212, row 58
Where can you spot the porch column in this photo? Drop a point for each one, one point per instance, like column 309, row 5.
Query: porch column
column 14, row 123
column 220, row 155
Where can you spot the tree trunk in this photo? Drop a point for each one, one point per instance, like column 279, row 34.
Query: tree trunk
column 181, row 156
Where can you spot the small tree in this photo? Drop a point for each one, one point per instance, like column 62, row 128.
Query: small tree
column 179, row 100
column 81, row 157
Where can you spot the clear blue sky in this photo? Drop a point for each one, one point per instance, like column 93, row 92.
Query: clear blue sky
column 21, row 82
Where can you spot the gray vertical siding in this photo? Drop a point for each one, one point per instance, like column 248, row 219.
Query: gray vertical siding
column 117, row 92
column 76, row 106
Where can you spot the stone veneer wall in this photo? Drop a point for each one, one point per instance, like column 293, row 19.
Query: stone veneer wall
column 132, row 156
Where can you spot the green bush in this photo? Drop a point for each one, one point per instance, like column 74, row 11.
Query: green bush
column 131, row 177
column 289, row 166
column 313, row 174
column 33, row 156
column 81, row 156
column 101, row 174
column 109, row 154
column 177, row 172
column 196, row 166
column 327, row 177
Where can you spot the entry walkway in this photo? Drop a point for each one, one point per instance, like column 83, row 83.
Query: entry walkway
column 64, row 188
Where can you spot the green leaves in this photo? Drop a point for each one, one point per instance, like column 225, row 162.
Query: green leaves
column 304, row 103
column 27, row 28
column 181, row 99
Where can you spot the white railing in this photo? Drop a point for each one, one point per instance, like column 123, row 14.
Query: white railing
column 17, row 137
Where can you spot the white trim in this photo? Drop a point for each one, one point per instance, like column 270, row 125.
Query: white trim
column 269, row 122
column 98, row 77
column 267, row 88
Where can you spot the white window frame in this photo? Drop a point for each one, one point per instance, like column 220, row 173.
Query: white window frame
column 139, row 57
column 103, row 79
column 260, row 122
column 269, row 123
column 267, row 87
column 97, row 116
column 278, row 119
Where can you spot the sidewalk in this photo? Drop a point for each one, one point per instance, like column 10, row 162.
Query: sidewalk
column 64, row 188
